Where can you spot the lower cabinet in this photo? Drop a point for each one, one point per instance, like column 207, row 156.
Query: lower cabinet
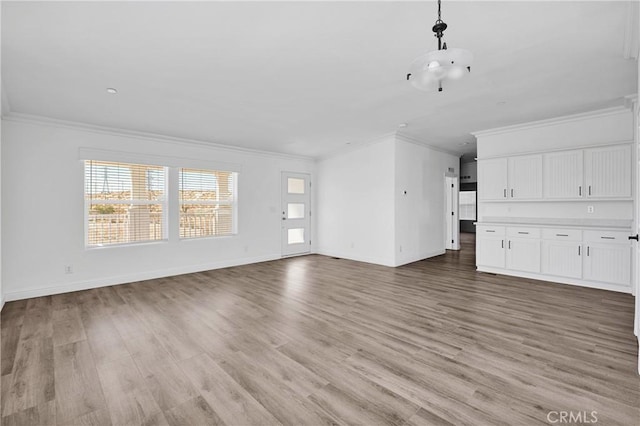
column 562, row 258
column 490, row 252
column 523, row 255
column 607, row 257
column 584, row 257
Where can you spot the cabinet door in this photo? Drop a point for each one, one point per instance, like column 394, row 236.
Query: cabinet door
column 523, row 255
column 608, row 263
column 608, row 171
column 562, row 258
column 525, row 177
column 563, row 175
column 492, row 179
column 490, row 252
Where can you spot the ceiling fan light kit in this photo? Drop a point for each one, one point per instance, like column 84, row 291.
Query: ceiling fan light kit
column 429, row 70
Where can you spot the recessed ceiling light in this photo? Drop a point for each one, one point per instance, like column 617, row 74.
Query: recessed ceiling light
column 402, row 125
column 111, row 90
column 500, row 103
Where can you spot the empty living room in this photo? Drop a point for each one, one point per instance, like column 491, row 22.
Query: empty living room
column 319, row 213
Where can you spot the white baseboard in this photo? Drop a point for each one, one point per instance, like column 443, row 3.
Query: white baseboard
column 130, row 278
column 558, row 280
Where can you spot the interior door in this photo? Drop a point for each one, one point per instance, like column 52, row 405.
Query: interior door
column 296, row 212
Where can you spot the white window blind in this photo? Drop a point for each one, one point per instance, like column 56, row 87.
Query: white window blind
column 208, row 203
column 125, row 203
column 467, row 205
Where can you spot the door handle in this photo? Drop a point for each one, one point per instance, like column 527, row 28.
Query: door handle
column 634, row 237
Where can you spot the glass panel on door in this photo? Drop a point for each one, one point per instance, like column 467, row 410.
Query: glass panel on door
column 295, row 186
column 296, row 236
column 295, row 210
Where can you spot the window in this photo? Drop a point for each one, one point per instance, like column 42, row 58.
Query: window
column 467, row 205
column 125, row 203
column 207, row 203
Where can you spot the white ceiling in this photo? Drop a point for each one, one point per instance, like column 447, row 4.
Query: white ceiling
column 307, row 78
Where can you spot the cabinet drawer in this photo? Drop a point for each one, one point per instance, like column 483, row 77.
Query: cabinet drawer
column 523, row 232
column 562, row 234
column 486, row 230
column 617, row 237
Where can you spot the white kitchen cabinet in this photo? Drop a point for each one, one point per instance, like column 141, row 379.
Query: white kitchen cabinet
column 608, row 172
column 562, row 258
column 563, row 176
column 490, row 243
column 525, row 177
column 608, row 263
column 492, row 179
column 607, row 257
column 562, row 252
column 523, row 254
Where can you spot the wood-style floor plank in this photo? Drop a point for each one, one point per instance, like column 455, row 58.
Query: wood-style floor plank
column 317, row 340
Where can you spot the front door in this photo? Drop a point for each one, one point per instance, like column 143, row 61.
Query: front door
column 296, row 212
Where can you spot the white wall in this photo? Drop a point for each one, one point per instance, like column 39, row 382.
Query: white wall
column 43, row 211
column 355, row 193
column 363, row 213
column 3, row 108
column 420, row 214
column 589, row 129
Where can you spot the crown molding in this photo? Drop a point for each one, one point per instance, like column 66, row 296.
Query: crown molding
column 553, row 121
column 146, row 136
column 409, row 139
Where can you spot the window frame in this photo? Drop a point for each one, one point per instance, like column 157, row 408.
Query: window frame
column 233, row 203
column 163, row 202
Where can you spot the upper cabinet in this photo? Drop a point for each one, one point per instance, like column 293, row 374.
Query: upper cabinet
column 608, row 172
column 492, row 179
column 592, row 173
column 525, row 177
column 563, row 175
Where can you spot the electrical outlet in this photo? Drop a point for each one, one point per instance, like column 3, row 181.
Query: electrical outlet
column 589, row 209
column 68, row 269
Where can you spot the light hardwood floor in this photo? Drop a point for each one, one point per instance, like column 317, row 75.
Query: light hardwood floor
column 315, row 340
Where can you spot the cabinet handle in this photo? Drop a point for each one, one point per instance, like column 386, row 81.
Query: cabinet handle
column 502, row 243
column 505, row 192
column 580, row 191
column 578, row 250
column 608, row 238
column 509, row 244
column 587, row 250
column 562, row 235
column 525, row 233
column 490, row 230
column 589, row 189
column 511, row 192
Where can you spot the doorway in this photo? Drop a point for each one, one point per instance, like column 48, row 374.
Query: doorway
column 451, row 190
column 296, row 212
